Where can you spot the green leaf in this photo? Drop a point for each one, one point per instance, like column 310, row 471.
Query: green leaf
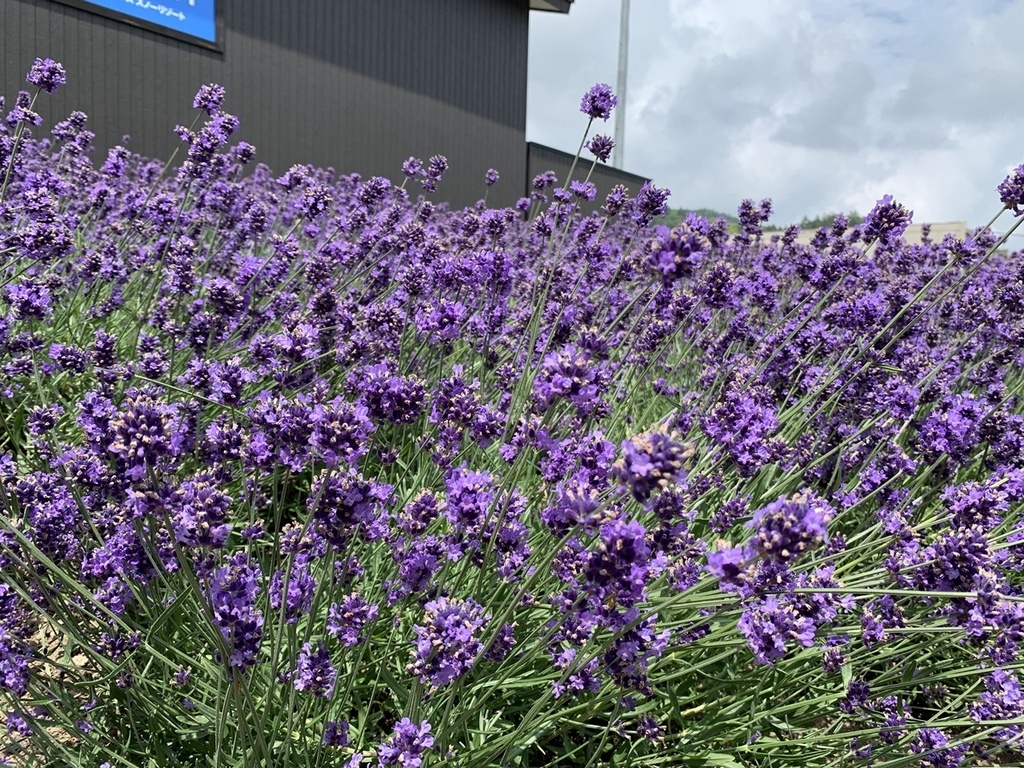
column 721, row 760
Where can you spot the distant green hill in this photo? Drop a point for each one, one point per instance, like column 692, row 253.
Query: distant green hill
column 676, row 215
column 825, row 220
column 807, row 223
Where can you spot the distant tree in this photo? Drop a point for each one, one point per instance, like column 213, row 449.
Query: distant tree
column 825, row 220
column 675, row 216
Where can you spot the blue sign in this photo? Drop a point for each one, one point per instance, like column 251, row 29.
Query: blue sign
column 194, row 20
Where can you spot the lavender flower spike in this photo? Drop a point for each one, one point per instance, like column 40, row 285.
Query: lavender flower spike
column 599, row 102
column 47, row 75
column 887, row 221
column 209, row 98
column 788, row 527
column 314, row 672
column 1011, row 191
column 448, row 642
column 653, row 461
column 407, row 745
column 601, row 147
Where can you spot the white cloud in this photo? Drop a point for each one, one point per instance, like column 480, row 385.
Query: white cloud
column 820, row 106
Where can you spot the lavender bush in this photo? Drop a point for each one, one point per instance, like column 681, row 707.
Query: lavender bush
column 309, row 470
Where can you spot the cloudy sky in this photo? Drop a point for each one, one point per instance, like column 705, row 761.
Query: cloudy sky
column 821, row 106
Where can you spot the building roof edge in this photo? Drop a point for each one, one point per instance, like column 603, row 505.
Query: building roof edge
column 554, row 6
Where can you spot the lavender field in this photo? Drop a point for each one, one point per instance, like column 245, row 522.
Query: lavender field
column 308, row 469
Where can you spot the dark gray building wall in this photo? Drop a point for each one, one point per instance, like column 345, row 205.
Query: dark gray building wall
column 359, row 85
column 540, row 158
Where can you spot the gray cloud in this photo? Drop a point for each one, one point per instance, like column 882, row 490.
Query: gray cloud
column 836, row 118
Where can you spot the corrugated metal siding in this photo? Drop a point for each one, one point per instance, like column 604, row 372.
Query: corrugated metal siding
column 359, row 85
column 540, row 159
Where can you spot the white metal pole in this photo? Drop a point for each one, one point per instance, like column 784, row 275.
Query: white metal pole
column 620, row 87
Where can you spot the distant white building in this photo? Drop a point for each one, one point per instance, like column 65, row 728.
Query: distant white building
column 938, row 230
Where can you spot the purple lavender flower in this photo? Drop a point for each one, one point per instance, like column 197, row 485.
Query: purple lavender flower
column 894, row 720
column 346, row 620
column 585, row 190
column 832, row 660
column 678, row 254
column 582, row 678
column 786, row 528
column 203, row 146
column 314, row 672
column 954, row 427
column 859, row 749
column 69, row 358
column 974, row 503
column 417, row 561
column 598, row 102
column 72, row 131
column 43, row 418
column 574, row 375
column 887, row 221
column 654, row 460
column 575, row 504
column 316, row 200
column 406, row 747
column 419, row 513
column 455, row 403
column 412, row 167
column 502, row 644
column 16, row 723
column 47, row 74
column 340, row 432
column 1011, row 191
column 14, row 658
column 491, row 177
column 209, row 98
column 718, row 286
column 1002, row 699
column 650, row 202
column 932, row 745
column 751, row 216
column 601, row 147
column 954, row 560
column 511, row 548
column 387, row 396
column 731, row 565
column 649, row 729
column 299, row 597
column 22, row 112
column 769, row 624
column 243, row 153
column 727, row 515
column 233, row 594
column 143, row 433
column 878, row 617
column 341, row 504
column 617, row 572
column 857, row 693
column 336, row 733
column 199, row 509
column 436, row 167
column 448, row 641
column 631, row 653
column 29, row 299
column 469, row 498
column 616, row 201
column 303, row 541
